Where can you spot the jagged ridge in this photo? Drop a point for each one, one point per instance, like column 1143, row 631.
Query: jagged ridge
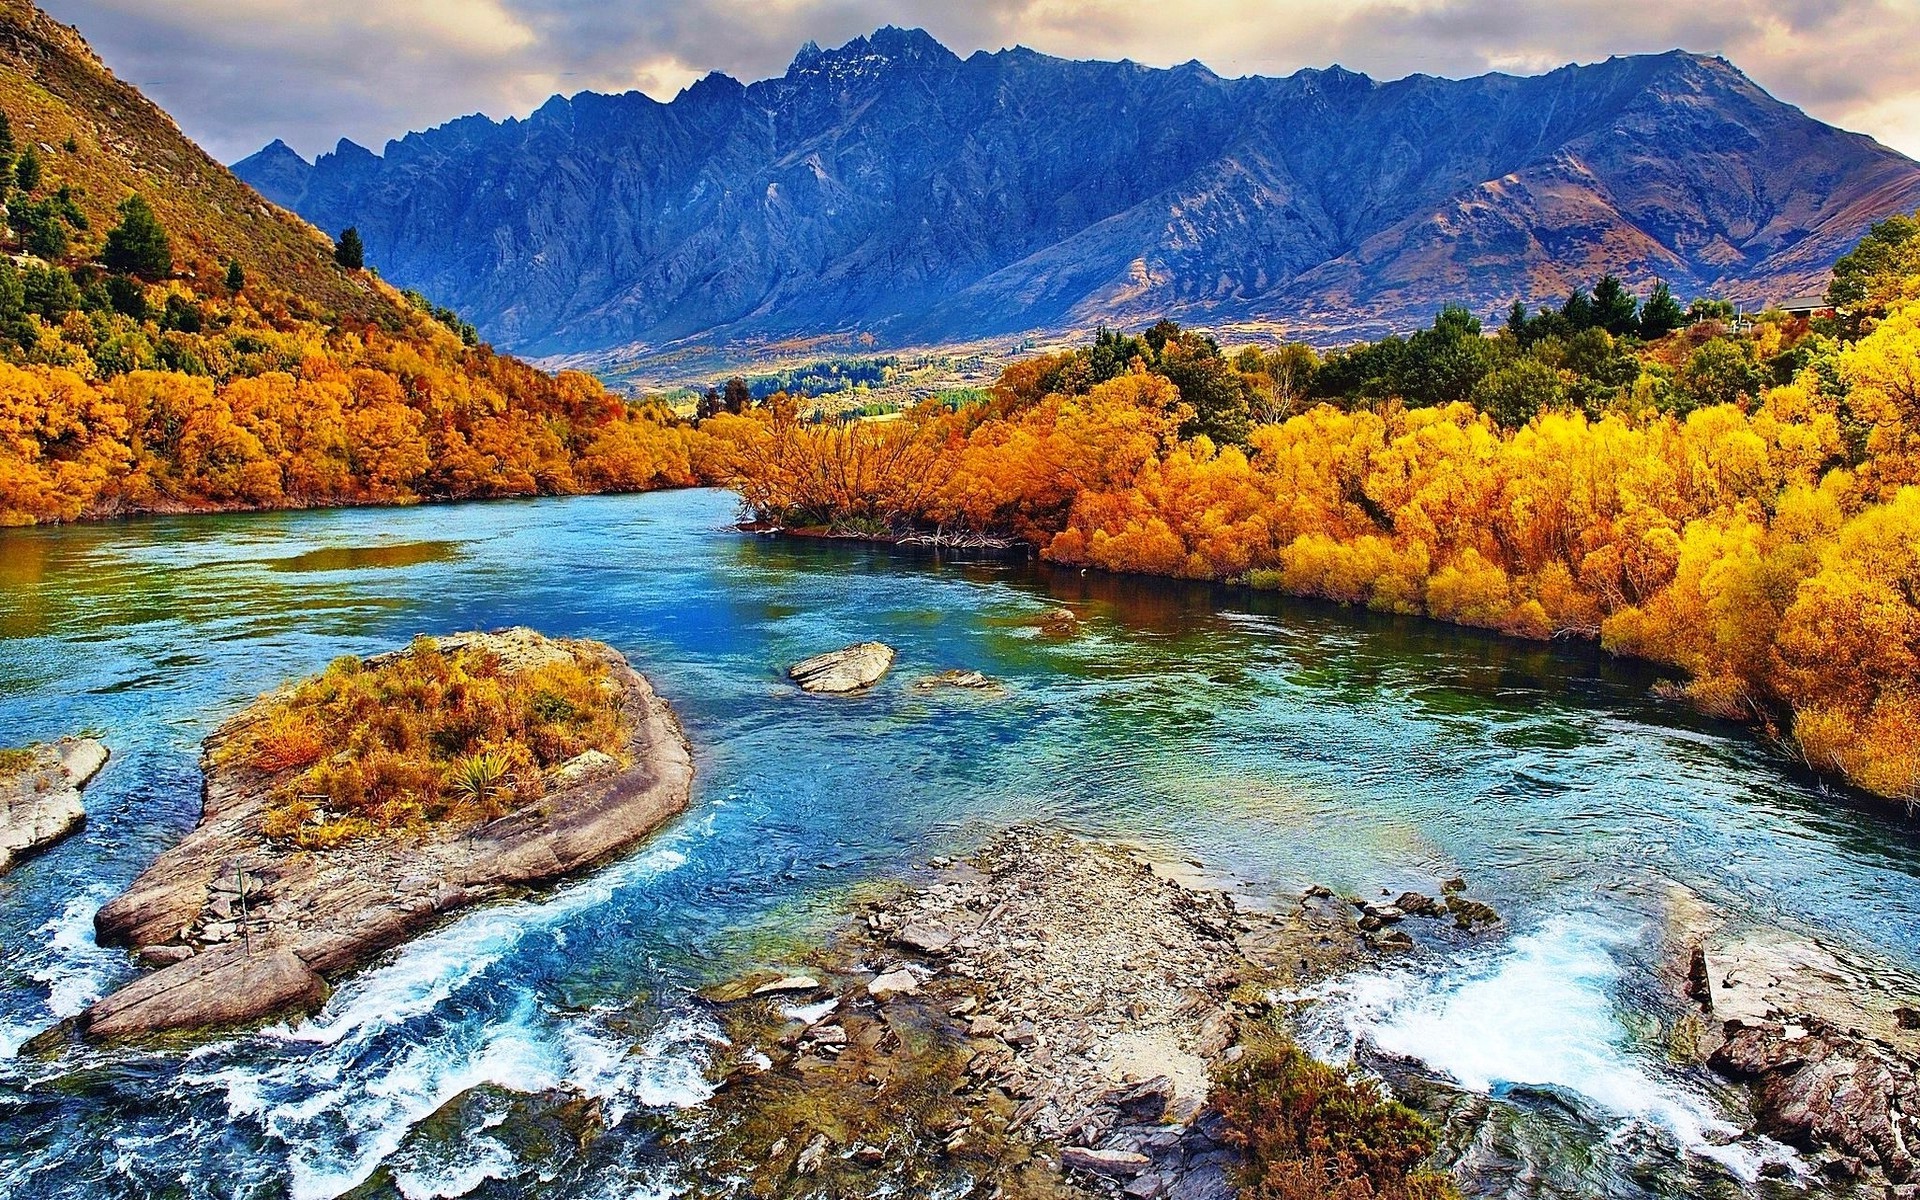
column 890, row 186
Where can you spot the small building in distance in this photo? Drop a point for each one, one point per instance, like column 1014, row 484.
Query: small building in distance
column 1806, row 307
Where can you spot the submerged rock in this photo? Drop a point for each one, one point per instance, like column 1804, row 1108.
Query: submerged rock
column 266, row 924
column 1059, row 622
column 972, row 681
column 40, row 797
column 839, row 672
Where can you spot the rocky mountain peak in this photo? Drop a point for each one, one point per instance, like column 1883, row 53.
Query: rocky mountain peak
column 883, row 49
column 1028, row 193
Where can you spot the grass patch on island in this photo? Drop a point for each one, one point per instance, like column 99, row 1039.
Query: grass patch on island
column 14, row 762
column 425, row 739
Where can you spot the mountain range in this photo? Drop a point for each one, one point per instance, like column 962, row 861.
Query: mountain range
column 893, row 189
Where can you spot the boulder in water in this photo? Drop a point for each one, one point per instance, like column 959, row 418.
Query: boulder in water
column 40, row 795
column 972, row 681
column 840, row 672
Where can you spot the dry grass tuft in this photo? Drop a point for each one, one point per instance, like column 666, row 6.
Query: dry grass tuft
column 425, row 739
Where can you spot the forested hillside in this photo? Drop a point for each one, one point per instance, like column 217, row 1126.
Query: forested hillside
column 170, row 342
column 1740, row 502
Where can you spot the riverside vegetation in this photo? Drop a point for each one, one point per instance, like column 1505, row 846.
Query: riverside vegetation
column 1739, row 501
column 433, row 737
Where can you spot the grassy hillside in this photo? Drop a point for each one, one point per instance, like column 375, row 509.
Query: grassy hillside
column 104, row 138
column 169, row 342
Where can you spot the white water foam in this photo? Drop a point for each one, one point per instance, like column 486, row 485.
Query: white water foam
column 1540, row 1012
column 342, row 1097
column 73, row 967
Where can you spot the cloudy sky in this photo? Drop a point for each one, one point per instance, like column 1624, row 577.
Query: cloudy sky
column 238, row 73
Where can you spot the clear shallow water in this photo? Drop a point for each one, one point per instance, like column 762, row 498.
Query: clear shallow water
column 1280, row 743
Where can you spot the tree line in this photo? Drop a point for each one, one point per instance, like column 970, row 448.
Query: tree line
column 1741, row 503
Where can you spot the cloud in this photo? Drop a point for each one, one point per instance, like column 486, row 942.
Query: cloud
column 237, row 73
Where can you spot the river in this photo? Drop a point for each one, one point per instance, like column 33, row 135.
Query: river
column 1280, row 743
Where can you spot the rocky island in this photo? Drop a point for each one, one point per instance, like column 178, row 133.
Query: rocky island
column 40, row 794
column 346, row 814
column 1052, row 1017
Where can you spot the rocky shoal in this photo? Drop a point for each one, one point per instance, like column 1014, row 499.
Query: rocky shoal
column 1042, row 1019
column 40, row 802
column 239, row 927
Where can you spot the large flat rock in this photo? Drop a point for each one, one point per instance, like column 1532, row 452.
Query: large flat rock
column 41, row 804
column 246, row 928
column 839, row 672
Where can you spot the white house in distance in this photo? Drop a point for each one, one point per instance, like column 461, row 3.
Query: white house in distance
column 1806, row 306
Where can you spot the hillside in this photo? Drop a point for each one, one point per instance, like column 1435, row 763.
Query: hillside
column 169, row 342
column 107, row 140
column 890, row 187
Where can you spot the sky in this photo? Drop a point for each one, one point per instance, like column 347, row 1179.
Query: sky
column 238, row 73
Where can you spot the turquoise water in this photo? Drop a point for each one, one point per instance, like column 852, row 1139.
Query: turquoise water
column 1280, row 743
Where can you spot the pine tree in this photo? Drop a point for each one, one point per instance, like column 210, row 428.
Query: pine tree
column 349, row 252
column 1661, row 314
column 739, row 396
column 26, row 172
column 236, row 277
column 1615, row 309
column 138, row 245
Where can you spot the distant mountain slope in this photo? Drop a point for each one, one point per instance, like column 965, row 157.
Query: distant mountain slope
column 105, row 138
column 889, row 186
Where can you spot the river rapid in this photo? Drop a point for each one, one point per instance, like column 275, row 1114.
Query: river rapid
column 1279, row 743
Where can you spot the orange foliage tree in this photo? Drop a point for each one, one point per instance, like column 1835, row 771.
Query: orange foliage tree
column 1769, row 545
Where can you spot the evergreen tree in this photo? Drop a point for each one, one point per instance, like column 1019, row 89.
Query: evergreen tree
column 236, row 277
column 1615, row 309
column 1444, row 364
column 138, row 245
column 51, row 292
column 1517, row 321
column 1113, row 354
column 127, row 297
column 27, row 173
column 42, row 228
column 1578, row 310
column 69, row 208
column 739, row 397
column 14, row 326
column 349, row 252
column 1661, row 314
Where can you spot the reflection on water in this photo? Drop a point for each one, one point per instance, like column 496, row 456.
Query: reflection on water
column 1281, row 742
